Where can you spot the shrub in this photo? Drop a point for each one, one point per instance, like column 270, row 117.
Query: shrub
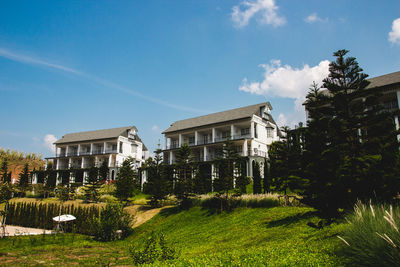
column 373, row 238
column 151, row 252
column 112, row 220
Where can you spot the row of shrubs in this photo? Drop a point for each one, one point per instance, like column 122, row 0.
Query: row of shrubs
column 105, row 224
column 41, row 215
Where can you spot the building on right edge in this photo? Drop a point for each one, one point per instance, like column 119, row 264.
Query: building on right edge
column 252, row 129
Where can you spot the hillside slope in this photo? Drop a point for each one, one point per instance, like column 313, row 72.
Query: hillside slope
column 246, row 236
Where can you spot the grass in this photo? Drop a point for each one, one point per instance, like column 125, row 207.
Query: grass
column 246, row 236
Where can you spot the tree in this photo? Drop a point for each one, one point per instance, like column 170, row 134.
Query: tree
column 267, row 178
column 157, row 184
column 242, row 180
column 92, row 185
column 256, row 178
column 103, row 171
column 184, row 176
column 352, row 137
column 50, row 178
column 24, row 179
column 4, row 171
column 126, row 181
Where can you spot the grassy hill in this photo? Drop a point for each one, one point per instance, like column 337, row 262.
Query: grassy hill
column 245, row 237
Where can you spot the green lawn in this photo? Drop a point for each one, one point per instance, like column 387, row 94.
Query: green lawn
column 245, row 237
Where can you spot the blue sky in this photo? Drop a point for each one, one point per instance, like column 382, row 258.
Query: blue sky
column 68, row 66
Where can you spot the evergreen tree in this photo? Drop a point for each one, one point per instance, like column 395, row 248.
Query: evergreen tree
column 184, row 175
column 92, row 185
column 103, row 171
column 126, row 181
column 157, row 184
column 4, row 171
column 24, row 179
column 50, row 179
column 242, row 180
column 352, row 137
column 267, row 178
column 256, row 178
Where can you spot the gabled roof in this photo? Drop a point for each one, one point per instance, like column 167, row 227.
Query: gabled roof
column 384, row 80
column 214, row 118
column 95, row 135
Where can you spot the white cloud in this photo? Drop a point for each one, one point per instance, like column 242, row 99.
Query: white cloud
column 49, row 139
column 394, row 35
column 288, row 82
column 282, row 120
column 17, row 57
column 155, row 128
column 265, row 10
column 314, row 18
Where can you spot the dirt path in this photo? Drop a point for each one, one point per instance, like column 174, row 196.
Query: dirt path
column 19, row 230
column 142, row 215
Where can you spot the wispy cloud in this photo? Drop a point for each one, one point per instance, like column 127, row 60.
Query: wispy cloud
column 394, row 35
column 312, row 18
column 265, row 10
column 155, row 128
column 22, row 58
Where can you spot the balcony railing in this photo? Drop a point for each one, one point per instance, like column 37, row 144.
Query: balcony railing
column 83, row 153
column 73, row 153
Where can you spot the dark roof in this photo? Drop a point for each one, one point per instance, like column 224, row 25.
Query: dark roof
column 384, row 80
column 95, row 135
column 228, row 115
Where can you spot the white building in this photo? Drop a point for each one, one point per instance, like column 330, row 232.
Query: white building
column 83, row 150
column 251, row 128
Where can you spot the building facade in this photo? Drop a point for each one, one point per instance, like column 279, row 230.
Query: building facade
column 252, row 129
column 83, row 150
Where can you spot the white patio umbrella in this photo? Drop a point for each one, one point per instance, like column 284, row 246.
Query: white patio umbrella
column 64, row 218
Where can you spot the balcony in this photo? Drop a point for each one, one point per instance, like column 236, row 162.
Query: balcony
column 72, row 153
column 60, row 155
column 83, row 153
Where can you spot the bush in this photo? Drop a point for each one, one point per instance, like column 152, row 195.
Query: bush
column 108, row 198
column 112, row 220
column 373, row 238
column 151, row 252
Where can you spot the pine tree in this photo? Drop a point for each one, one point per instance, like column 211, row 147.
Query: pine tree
column 103, row 171
column 267, row 178
column 4, row 171
column 184, row 176
column 126, row 181
column 24, row 179
column 157, row 184
column 92, row 185
column 256, row 178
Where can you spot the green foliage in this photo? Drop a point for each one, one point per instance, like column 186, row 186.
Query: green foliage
column 184, row 176
column 373, row 238
column 112, row 219
column 6, row 192
column 103, row 171
column 157, row 179
column 4, row 172
column 126, row 181
column 66, row 192
column 256, row 178
column 151, row 252
column 353, row 138
column 92, row 185
column 24, row 178
column 40, row 215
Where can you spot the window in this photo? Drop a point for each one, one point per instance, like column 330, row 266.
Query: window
column 255, row 130
column 120, row 147
column 205, row 139
column 191, row 140
column 270, row 133
column 245, row 131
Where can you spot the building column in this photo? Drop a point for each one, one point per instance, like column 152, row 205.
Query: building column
column 170, row 157
column 79, row 149
column 232, row 131
column 166, row 142
column 104, row 147
column 252, row 129
column 66, row 151
column 205, row 153
column 196, row 138
column 57, row 163
column 212, row 176
column 91, row 148
column 83, row 163
column 213, row 135
column 244, row 148
column 69, row 163
column 109, row 160
column 180, row 140
column 398, row 98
